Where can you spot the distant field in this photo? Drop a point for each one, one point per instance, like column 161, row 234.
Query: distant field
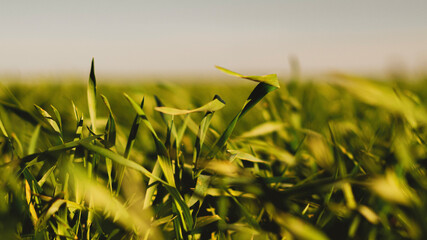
column 338, row 159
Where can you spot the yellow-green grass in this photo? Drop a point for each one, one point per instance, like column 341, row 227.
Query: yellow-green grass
column 271, row 159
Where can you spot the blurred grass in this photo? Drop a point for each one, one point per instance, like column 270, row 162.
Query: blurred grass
column 343, row 158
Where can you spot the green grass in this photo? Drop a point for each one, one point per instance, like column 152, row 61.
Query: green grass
column 267, row 159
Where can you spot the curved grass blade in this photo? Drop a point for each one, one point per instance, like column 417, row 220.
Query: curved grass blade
column 120, row 160
column 299, row 228
column 52, row 123
column 33, row 141
column 53, row 208
column 3, row 129
column 129, row 145
column 61, row 147
column 182, row 208
column 257, row 94
column 162, row 153
column 201, row 134
column 166, row 118
column 263, row 129
column 165, row 163
column 211, row 106
column 78, row 133
column 250, row 218
column 20, row 112
column 32, row 209
column 58, row 117
column 178, row 200
column 246, row 156
column 270, row 79
column 110, row 139
column 111, row 207
column 110, row 128
column 204, row 221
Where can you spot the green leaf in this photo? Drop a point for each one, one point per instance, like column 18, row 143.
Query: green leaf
column 200, row 191
column 384, row 96
column 52, row 123
column 22, row 113
column 53, row 208
column 201, row 134
column 257, row 94
column 120, row 160
column 60, row 147
column 129, row 145
column 58, row 117
column 110, row 128
column 33, row 141
column 299, row 228
column 91, row 96
column 3, row 129
column 394, row 189
column 246, row 156
column 183, row 210
column 178, row 200
column 270, row 79
column 206, row 220
column 165, row 117
column 211, row 106
column 106, row 204
column 263, row 129
column 162, row 153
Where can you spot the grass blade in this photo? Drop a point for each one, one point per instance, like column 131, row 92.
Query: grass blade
column 91, row 96
column 110, row 128
column 257, row 94
column 211, row 106
column 270, row 79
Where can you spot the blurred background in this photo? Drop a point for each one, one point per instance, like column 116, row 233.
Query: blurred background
column 178, row 39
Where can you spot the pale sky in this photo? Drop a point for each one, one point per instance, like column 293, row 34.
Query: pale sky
column 167, row 37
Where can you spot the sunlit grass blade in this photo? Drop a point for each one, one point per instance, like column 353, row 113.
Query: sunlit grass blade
column 32, row 209
column 270, row 79
column 246, row 156
column 91, row 96
column 52, row 123
column 33, row 141
column 200, row 190
column 44, row 218
column 3, row 129
column 58, row 117
column 298, row 228
column 212, row 106
column 182, row 208
column 263, row 129
column 393, row 189
column 104, row 202
column 179, row 202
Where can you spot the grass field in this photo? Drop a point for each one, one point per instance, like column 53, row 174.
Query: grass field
column 265, row 158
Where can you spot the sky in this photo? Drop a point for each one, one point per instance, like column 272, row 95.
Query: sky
column 191, row 37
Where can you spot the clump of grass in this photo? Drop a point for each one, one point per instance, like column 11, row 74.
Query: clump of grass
column 337, row 160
